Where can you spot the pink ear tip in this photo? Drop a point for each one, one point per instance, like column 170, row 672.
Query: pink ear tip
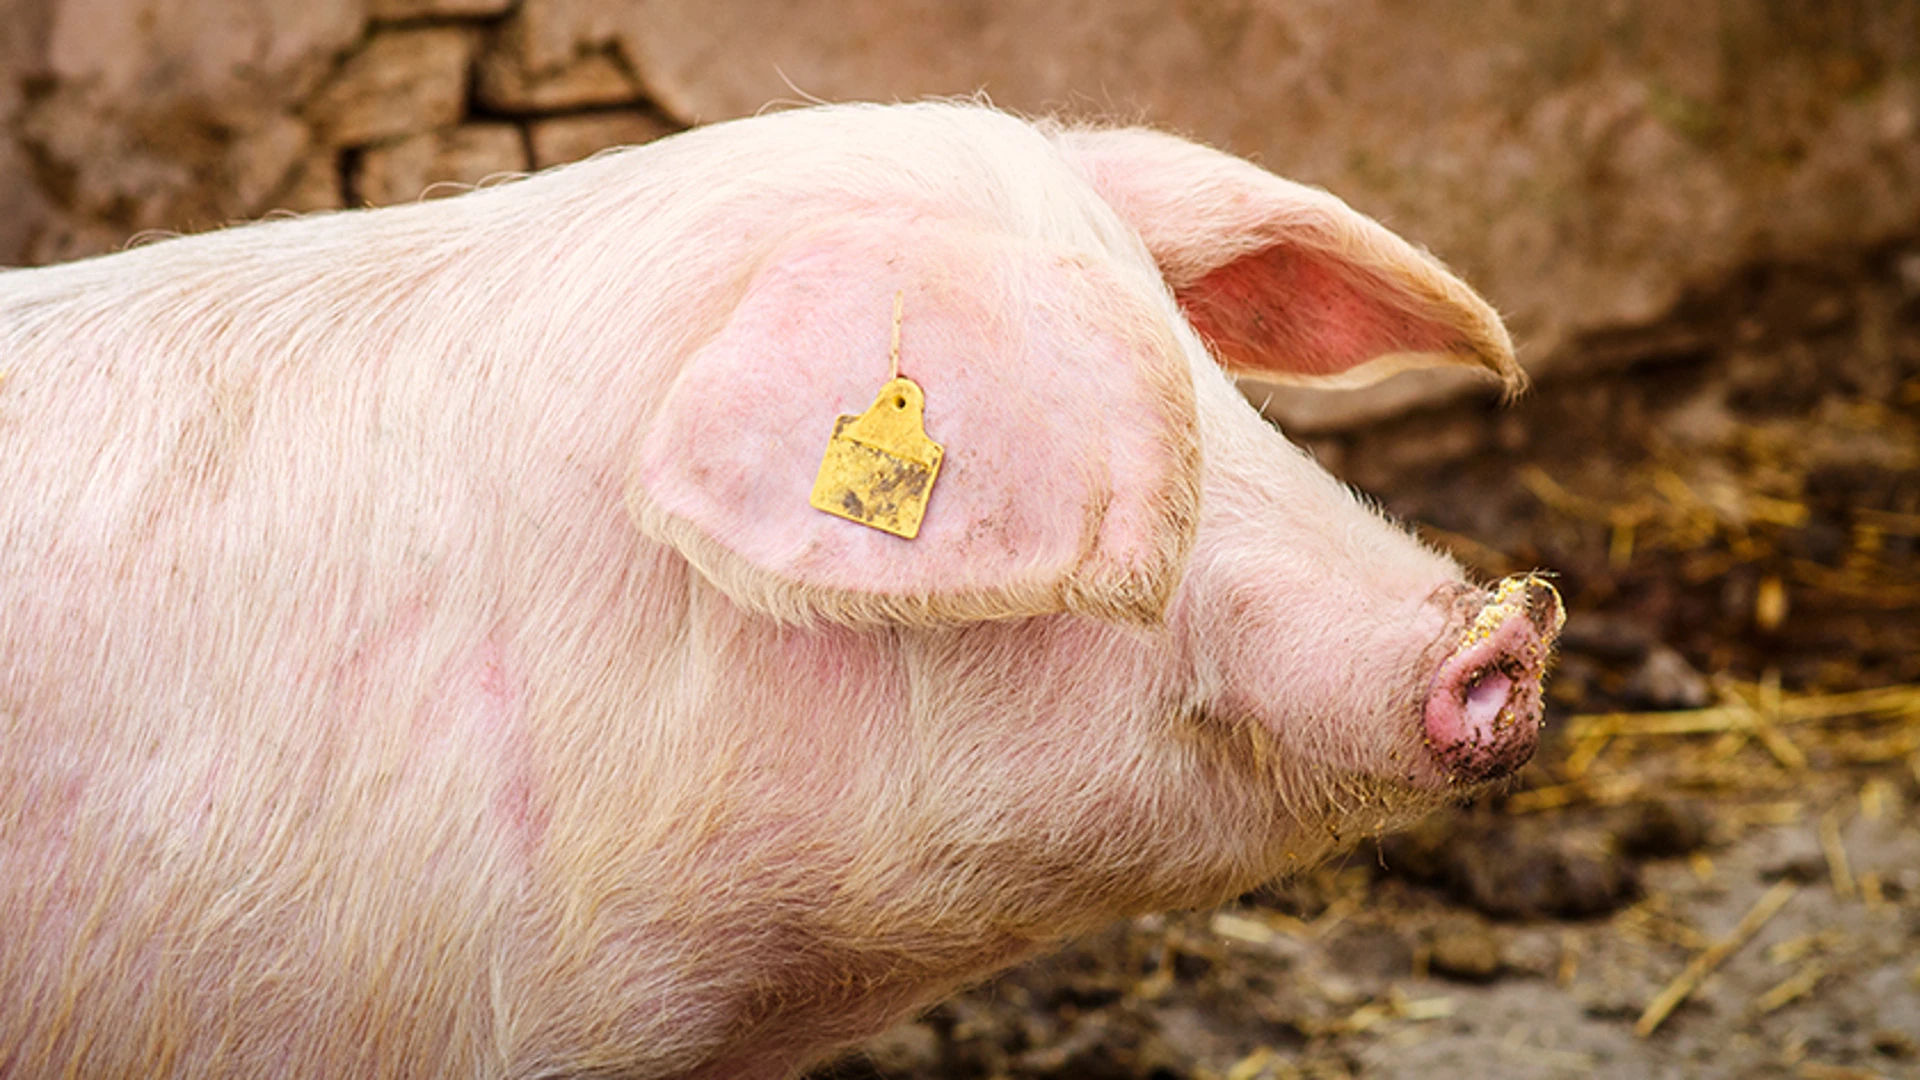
column 1483, row 710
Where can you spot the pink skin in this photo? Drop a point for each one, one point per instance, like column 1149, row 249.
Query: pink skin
column 418, row 656
column 1482, row 717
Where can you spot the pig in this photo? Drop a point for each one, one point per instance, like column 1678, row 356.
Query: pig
column 419, row 656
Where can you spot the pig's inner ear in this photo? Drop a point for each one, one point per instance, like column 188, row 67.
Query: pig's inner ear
column 1295, row 314
column 1069, row 474
column 1284, row 282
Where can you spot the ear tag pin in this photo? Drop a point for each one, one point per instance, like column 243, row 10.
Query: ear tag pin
column 880, row 465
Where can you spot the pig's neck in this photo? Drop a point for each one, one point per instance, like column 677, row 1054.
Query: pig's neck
column 839, row 826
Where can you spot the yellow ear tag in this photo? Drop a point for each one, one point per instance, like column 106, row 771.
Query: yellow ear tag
column 880, row 466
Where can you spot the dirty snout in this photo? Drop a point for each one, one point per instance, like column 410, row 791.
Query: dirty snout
column 1483, row 709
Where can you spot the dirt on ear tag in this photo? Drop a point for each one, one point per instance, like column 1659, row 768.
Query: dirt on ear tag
column 880, row 466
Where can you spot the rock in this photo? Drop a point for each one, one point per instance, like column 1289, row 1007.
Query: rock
column 23, row 50
column 1532, row 951
column 402, row 83
column 260, row 163
column 24, row 211
column 109, row 168
column 509, row 83
column 550, row 34
column 457, row 158
column 152, row 53
column 1372, row 955
column 1465, row 951
column 61, row 238
column 1664, row 680
column 167, row 115
column 1513, row 868
column 1663, row 829
column 570, row 138
column 594, row 79
column 437, row 9
column 313, row 184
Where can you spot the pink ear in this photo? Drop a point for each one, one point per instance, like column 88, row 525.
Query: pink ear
column 1286, row 282
column 1070, row 474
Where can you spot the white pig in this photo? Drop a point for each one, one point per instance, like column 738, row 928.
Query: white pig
column 419, row 656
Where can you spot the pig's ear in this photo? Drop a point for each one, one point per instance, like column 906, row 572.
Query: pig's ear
column 1070, row 474
column 1285, row 282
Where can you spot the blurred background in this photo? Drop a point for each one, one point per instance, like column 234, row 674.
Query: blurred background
column 1703, row 222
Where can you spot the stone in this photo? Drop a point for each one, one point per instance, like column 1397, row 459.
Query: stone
column 62, row 238
column 313, row 184
column 402, row 83
column 153, row 51
column 1372, row 954
column 570, row 138
column 1514, row 868
column 549, row 34
column 151, row 115
column 24, row 211
column 1660, row 828
column 454, row 159
column 104, row 165
column 593, row 79
column 1465, row 951
column 508, row 83
column 260, row 163
column 438, row 9
column 23, row 49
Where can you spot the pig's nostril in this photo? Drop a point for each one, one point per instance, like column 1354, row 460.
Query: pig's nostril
column 1485, row 699
column 1482, row 717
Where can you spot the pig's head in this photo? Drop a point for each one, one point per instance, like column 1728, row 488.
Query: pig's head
column 1077, row 304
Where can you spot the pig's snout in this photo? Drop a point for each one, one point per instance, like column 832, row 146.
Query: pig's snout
column 1483, row 710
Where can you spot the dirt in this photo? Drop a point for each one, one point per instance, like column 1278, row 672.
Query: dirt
column 1712, row 867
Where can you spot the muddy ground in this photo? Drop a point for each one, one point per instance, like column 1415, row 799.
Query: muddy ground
column 1712, row 868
